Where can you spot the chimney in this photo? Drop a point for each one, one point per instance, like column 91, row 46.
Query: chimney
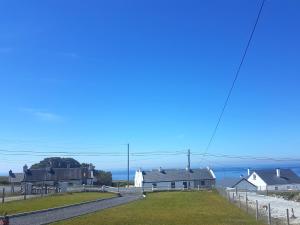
column 278, row 172
column 25, row 168
column 248, row 171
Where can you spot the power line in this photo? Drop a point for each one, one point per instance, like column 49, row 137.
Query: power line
column 141, row 155
column 235, row 77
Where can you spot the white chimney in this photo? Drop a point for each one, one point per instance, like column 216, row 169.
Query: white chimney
column 278, row 172
column 248, row 172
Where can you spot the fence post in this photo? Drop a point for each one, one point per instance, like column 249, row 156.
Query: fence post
column 12, row 188
column 3, row 195
column 256, row 210
column 293, row 214
column 269, row 214
column 287, row 217
column 233, row 196
column 240, row 201
column 198, row 187
column 25, row 191
column 246, row 202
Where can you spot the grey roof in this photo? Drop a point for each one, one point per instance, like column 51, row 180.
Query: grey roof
column 287, row 176
column 176, row 175
column 243, row 180
column 15, row 177
column 54, row 174
column 227, row 182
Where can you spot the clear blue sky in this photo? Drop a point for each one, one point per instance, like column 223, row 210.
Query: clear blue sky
column 94, row 75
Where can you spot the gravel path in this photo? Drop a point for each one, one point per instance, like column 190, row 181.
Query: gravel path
column 278, row 205
column 45, row 217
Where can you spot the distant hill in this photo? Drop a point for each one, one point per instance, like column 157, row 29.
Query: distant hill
column 57, row 162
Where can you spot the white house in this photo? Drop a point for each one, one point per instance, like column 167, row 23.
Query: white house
column 175, row 178
column 274, row 179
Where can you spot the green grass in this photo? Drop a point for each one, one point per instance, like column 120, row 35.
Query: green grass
column 170, row 208
column 50, row 201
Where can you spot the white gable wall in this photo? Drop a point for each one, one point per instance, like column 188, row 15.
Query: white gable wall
column 257, row 181
column 138, row 179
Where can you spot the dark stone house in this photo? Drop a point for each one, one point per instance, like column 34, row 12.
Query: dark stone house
column 53, row 176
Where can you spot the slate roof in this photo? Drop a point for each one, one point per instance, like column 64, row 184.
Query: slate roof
column 243, row 180
column 54, row 174
column 227, row 182
column 15, row 177
column 287, row 176
column 176, row 175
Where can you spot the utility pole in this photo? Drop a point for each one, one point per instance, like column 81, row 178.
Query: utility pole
column 189, row 167
column 128, row 165
column 189, row 160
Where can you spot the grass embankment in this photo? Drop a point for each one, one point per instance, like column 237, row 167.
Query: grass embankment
column 50, row 201
column 170, row 208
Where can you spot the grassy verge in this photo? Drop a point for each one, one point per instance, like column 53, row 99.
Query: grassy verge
column 50, row 202
column 170, row 208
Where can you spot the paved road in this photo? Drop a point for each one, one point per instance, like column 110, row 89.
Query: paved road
column 72, row 211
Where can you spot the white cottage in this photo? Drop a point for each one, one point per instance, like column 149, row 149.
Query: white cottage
column 274, row 179
column 175, row 178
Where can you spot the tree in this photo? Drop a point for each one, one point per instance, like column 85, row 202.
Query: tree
column 103, row 178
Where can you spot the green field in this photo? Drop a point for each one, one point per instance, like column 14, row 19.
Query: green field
column 50, row 201
column 170, row 208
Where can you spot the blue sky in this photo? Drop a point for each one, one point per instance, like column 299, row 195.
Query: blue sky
column 92, row 76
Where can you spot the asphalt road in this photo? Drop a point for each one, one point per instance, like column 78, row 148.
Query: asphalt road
column 58, row 214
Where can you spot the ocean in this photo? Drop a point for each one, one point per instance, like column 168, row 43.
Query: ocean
column 220, row 172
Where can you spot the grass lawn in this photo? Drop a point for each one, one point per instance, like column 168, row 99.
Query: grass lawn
column 169, row 208
column 50, row 201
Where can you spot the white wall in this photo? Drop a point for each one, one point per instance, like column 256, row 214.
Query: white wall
column 283, row 187
column 138, row 179
column 179, row 184
column 257, row 181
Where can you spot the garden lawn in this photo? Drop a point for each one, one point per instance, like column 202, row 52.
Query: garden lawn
column 50, row 201
column 169, row 208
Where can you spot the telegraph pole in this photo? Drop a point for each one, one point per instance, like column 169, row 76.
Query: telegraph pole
column 189, row 167
column 128, row 165
column 189, row 159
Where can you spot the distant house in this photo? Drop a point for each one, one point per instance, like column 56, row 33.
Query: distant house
column 15, row 178
column 274, row 179
column 53, row 176
column 175, row 178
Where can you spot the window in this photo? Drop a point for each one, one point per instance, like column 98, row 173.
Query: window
column 288, row 187
column 276, row 188
column 172, row 184
column 202, row 182
column 254, row 177
column 154, row 185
